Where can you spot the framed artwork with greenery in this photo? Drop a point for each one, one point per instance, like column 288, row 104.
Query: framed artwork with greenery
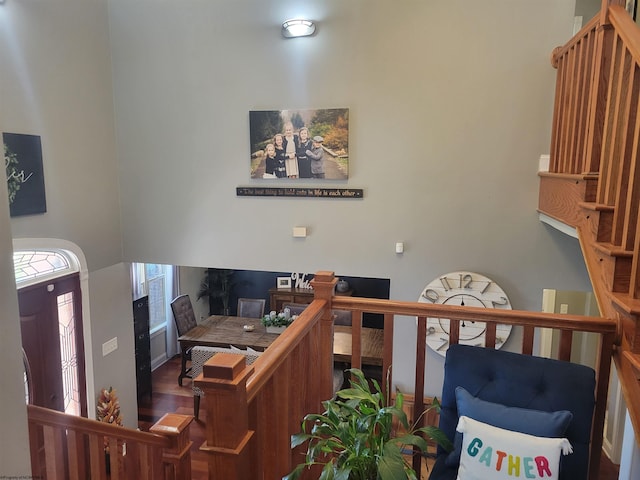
column 25, row 175
column 294, row 145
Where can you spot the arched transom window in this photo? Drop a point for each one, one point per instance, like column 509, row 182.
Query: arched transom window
column 33, row 266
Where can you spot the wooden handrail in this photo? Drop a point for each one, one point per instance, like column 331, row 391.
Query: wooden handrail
column 69, row 447
column 584, row 32
column 626, row 28
column 45, row 416
column 513, row 317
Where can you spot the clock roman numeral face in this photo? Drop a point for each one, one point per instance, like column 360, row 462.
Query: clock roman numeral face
column 465, row 289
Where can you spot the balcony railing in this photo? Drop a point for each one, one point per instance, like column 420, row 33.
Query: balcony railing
column 66, row 447
column 253, row 410
column 269, row 398
column 593, row 183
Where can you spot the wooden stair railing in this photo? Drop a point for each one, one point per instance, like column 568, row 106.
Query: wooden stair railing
column 252, row 411
column 66, row 447
column 593, row 183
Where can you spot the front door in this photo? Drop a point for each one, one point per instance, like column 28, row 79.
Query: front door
column 51, row 326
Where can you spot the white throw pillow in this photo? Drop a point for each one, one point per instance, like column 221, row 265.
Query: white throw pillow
column 490, row 453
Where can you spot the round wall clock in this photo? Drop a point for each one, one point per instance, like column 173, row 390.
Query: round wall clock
column 466, row 289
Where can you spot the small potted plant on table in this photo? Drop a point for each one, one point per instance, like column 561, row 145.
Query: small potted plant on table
column 277, row 322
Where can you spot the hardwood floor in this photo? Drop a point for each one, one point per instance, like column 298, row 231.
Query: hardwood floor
column 169, row 397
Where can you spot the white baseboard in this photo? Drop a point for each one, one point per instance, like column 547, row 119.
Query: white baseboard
column 158, row 361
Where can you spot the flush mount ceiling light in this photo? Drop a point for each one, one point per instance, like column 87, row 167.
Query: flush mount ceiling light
column 298, row 28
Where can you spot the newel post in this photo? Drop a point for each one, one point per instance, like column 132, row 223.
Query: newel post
column 604, row 9
column 178, row 457
column 224, row 382
column 324, row 284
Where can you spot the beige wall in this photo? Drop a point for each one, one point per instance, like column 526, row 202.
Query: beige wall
column 57, row 84
column 55, row 81
column 112, row 316
column 587, row 9
column 448, row 117
column 14, row 454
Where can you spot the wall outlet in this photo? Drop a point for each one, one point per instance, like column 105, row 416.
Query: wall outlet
column 109, row 346
column 564, row 307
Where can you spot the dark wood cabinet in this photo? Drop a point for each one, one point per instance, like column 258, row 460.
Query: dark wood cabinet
column 279, row 297
column 142, row 346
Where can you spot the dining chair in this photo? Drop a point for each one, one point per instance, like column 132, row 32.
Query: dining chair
column 185, row 319
column 200, row 355
column 295, row 308
column 340, row 317
column 251, row 307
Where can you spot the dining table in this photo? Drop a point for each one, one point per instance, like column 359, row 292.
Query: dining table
column 371, row 345
column 226, row 331
column 249, row 333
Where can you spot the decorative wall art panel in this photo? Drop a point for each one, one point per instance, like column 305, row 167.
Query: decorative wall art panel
column 25, row 175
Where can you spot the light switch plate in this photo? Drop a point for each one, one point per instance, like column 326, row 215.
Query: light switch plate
column 299, row 232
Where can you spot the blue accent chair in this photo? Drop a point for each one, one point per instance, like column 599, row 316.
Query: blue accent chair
column 523, row 381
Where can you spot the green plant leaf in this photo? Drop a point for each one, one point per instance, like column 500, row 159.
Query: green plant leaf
column 411, row 439
column 296, row 472
column 13, row 177
column 437, row 436
column 299, row 439
column 327, row 472
column 391, row 465
column 342, row 474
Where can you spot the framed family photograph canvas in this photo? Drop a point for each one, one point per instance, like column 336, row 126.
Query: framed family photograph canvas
column 283, row 282
column 289, row 145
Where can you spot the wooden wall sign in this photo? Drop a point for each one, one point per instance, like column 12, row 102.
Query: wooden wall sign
column 299, row 192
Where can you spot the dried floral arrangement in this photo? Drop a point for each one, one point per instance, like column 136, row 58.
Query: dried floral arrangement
column 108, row 410
column 109, row 407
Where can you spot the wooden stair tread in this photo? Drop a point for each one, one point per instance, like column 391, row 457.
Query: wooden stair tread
column 571, row 176
column 612, row 250
column 596, row 207
column 633, row 359
column 625, row 303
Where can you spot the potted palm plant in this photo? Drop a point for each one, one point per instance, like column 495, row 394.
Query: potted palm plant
column 217, row 285
column 361, row 437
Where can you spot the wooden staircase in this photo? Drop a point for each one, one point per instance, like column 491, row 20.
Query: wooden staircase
column 593, row 183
